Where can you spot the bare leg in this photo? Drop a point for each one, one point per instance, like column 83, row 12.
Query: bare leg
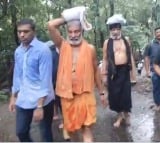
column 127, row 118
column 119, row 120
column 66, row 135
column 87, row 134
column 133, row 71
column 55, row 117
column 74, row 137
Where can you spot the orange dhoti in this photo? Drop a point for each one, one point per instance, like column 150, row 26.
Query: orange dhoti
column 79, row 111
column 79, row 108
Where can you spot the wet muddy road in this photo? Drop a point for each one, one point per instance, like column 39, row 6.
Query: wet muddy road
column 145, row 123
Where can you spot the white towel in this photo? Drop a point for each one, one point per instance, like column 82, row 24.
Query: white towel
column 116, row 18
column 77, row 13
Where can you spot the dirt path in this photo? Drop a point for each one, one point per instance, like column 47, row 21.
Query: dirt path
column 143, row 121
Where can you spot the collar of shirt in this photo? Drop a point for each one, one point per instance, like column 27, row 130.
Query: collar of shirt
column 156, row 41
column 32, row 44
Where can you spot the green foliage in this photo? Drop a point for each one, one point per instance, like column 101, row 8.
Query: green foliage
column 3, row 96
column 136, row 35
column 136, row 12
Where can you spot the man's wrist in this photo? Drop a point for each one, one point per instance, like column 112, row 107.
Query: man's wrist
column 40, row 103
column 39, row 107
column 14, row 95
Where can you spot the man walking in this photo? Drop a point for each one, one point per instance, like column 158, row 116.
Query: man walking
column 32, row 90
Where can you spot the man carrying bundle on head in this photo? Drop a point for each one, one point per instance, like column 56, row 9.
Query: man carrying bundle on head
column 77, row 73
column 117, row 63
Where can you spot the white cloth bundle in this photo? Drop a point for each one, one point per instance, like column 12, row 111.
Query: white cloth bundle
column 116, row 18
column 77, row 13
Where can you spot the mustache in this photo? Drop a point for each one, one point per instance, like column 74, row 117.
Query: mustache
column 74, row 39
column 115, row 34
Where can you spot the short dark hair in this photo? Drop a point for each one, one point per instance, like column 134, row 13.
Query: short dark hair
column 27, row 21
column 114, row 25
column 157, row 28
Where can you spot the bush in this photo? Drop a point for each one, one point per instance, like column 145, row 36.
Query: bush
column 3, row 96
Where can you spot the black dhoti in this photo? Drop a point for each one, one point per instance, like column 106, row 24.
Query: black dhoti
column 119, row 89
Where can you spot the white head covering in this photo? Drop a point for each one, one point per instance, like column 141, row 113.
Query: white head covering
column 116, row 18
column 77, row 13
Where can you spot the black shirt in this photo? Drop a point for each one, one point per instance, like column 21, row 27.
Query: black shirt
column 157, row 58
column 151, row 51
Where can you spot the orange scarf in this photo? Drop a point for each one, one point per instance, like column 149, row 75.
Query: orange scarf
column 84, row 72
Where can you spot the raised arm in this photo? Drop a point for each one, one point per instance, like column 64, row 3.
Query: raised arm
column 53, row 27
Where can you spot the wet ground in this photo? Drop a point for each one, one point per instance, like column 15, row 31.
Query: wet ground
column 145, row 123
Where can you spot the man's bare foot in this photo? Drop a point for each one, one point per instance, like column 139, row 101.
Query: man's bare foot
column 119, row 121
column 66, row 135
column 152, row 106
column 156, row 108
column 127, row 119
column 117, row 124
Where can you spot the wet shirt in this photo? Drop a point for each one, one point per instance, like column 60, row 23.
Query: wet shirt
column 32, row 78
column 151, row 51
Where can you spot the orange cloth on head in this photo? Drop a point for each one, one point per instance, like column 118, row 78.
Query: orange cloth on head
column 77, row 97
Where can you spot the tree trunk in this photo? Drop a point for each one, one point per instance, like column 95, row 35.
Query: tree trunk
column 4, row 6
column 14, row 20
column 14, row 25
column 69, row 3
column 111, row 4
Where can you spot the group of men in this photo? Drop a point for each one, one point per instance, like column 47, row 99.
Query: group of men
column 33, row 91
